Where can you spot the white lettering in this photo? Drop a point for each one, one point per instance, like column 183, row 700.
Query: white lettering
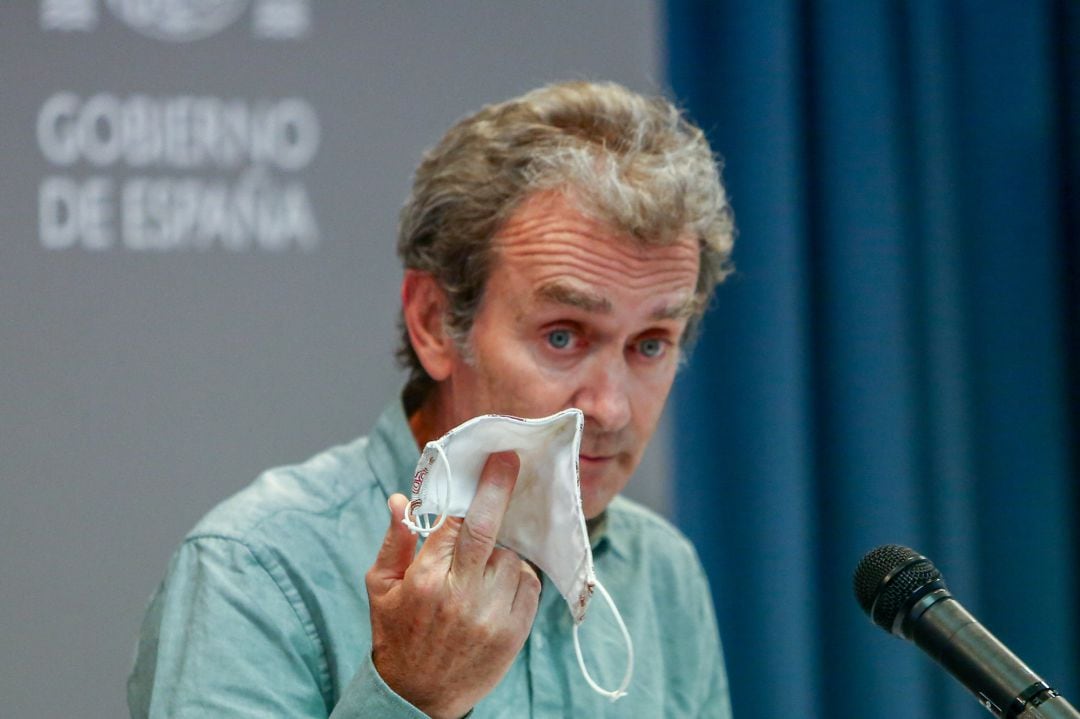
column 234, row 123
column 72, row 213
column 177, row 137
column 58, row 199
column 165, row 214
column 99, row 130
column 55, row 134
column 178, row 132
column 140, row 119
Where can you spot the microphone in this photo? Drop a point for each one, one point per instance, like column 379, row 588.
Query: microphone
column 903, row 593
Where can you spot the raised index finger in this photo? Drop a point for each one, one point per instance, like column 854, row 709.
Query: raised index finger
column 476, row 539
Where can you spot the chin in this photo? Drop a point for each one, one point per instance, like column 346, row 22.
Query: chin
column 600, row 483
column 597, row 495
column 591, row 512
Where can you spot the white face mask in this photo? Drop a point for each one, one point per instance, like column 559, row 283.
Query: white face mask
column 544, row 521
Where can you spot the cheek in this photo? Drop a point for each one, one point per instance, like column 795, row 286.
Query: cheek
column 510, row 379
column 650, row 397
column 519, row 363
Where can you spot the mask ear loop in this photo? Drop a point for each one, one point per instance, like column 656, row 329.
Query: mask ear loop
column 422, row 525
column 621, row 691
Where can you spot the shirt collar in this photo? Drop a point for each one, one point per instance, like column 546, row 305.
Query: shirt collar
column 598, row 532
column 607, row 532
column 393, row 453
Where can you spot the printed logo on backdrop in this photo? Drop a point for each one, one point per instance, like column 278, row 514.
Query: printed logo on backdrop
column 181, row 20
column 177, row 20
column 165, row 173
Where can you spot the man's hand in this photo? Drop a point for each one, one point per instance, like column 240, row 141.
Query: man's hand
column 446, row 626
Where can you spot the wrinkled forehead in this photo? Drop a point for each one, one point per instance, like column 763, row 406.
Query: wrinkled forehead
column 562, row 214
column 552, row 253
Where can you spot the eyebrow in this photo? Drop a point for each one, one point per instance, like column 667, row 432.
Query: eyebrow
column 561, row 293
column 564, row 294
column 685, row 309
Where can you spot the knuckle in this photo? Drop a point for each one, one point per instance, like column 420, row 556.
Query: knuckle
column 449, row 529
column 425, row 585
column 483, row 632
column 480, row 530
column 507, row 637
column 529, row 580
column 499, row 636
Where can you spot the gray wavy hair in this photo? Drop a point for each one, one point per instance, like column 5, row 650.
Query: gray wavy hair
column 631, row 161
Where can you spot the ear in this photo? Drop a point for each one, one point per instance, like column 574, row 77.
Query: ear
column 423, row 305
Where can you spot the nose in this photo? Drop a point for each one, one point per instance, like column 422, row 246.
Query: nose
column 604, row 395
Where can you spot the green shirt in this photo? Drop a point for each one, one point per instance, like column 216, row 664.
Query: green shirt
column 263, row 612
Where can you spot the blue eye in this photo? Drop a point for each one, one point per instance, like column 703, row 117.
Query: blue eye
column 651, row 347
column 559, row 339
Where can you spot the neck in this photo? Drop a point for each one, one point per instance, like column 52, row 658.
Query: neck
column 426, row 422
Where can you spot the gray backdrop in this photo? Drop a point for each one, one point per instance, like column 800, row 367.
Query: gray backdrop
column 197, row 277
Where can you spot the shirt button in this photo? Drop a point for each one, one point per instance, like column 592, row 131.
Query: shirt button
column 538, row 641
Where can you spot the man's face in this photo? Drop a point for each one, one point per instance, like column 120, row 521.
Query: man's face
column 577, row 315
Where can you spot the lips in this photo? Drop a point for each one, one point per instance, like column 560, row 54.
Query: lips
column 602, row 448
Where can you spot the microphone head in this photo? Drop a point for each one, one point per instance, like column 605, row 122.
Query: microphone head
column 889, row 580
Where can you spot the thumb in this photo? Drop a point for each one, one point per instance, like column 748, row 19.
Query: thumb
column 397, row 550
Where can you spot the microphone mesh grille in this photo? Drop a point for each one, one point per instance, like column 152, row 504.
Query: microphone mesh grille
column 890, row 598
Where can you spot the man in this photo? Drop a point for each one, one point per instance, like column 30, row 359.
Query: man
column 559, row 249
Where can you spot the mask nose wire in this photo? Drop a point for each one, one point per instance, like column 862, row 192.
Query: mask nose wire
column 621, row 691
column 422, row 525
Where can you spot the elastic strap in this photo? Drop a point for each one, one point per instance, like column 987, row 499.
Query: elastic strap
column 422, row 525
column 621, row 691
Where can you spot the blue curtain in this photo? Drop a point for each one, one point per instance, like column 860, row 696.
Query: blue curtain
column 896, row 358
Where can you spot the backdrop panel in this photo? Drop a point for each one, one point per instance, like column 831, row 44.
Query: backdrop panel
column 197, row 276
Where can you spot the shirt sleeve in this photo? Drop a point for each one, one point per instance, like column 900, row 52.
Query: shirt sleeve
column 224, row 638
column 368, row 696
